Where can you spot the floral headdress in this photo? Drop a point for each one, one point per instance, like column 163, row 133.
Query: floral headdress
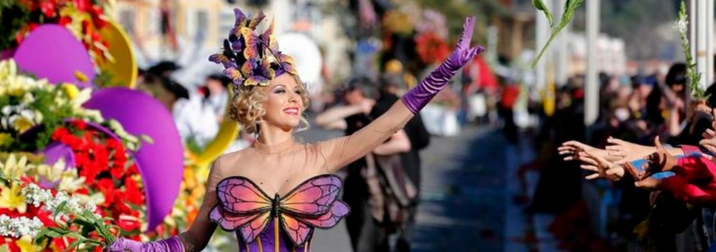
column 252, row 59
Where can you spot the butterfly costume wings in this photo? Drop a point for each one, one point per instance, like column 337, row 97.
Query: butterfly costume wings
column 243, row 206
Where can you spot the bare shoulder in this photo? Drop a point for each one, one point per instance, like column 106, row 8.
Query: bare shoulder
column 222, row 162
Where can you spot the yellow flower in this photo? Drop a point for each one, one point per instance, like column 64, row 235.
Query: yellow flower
column 25, row 243
column 12, row 198
column 189, row 177
column 76, row 16
column 14, row 168
column 52, row 173
column 80, row 76
column 71, row 90
column 22, row 124
column 5, row 139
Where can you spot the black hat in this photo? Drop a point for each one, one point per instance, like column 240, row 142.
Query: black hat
column 164, row 66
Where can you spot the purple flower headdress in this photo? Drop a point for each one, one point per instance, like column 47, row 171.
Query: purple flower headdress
column 252, row 59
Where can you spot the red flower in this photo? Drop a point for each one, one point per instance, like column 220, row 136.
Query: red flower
column 13, row 247
column 117, row 172
column 59, row 133
column 120, row 205
column 132, row 192
column 431, row 48
column 129, row 222
column 106, row 186
column 62, row 243
column 48, row 8
column 64, row 21
column 133, row 169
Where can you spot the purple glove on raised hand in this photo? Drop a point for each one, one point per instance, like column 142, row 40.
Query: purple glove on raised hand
column 419, row 96
column 172, row 244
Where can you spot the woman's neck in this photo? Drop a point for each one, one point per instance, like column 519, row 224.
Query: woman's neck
column 274, row 140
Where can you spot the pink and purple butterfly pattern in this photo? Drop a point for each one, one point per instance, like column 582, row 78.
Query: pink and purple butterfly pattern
column 243, row 206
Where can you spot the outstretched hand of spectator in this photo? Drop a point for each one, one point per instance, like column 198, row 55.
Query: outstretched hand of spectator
column 602, row 168
column 622, row 151
column 659, row 161
column 571, row 150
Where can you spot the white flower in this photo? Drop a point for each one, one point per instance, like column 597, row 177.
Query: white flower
column 17, row 227
column 81, row 98
column 681, row 25
column 72, row 205
column 7, row 109
column 27, row 98
column 13, row 167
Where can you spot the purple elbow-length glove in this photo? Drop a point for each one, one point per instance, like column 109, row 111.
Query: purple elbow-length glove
column 421, row 95
column 172, row 244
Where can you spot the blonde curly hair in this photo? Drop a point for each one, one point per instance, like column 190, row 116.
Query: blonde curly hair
column 247, row 106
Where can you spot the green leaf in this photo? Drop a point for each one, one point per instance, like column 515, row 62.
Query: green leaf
column 83, row 221
column 74, row 244
column 55, row 233
column 89, row 215
column 75, row 235
column 569, row 9
column 59, row 209
column 543, row 7
column 41, row 235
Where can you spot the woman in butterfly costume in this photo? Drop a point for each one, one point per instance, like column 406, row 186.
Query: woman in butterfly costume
column 275, row 193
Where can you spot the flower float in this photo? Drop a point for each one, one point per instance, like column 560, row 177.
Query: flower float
column 77, row 161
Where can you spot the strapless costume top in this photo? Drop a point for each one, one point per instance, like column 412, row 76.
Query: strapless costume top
column 280, row 223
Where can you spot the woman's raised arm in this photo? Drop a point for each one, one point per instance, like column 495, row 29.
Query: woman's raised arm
column 342, row 151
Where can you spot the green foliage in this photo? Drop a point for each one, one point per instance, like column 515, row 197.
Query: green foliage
column 53, row 116
column 694, row 77
column 12, row 17
column 569, row 9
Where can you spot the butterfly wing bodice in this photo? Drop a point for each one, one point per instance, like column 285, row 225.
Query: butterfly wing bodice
column 243, row 207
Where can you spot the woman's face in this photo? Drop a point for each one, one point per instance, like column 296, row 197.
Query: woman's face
column 284, row 102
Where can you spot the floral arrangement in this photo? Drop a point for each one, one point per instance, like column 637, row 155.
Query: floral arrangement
column 34, row 107
column 108, row 171
column 104, row 175
column 36, row 219
column 83, row 17
column 431, row 48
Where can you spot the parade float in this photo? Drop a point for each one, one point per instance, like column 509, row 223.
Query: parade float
column 84, row 157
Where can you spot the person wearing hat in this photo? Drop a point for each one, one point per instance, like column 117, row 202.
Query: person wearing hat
column 164, row 68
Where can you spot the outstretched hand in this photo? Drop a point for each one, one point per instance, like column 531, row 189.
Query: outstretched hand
column 623, row 151
column 602, row 168
column 661, row 160
column 463, row 53
column 438, row 79
column 571, row 149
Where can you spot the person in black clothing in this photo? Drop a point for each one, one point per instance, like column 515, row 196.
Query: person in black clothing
column 391, row 88
column 359, row 110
